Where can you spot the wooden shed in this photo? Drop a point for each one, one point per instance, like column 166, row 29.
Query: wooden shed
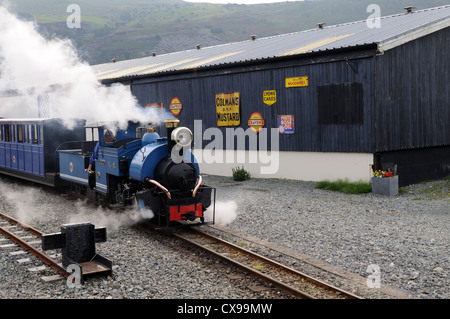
column 334, row 100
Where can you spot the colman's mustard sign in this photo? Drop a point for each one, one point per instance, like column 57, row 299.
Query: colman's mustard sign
column 228, row 109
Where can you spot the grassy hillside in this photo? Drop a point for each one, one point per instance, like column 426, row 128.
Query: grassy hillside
column 125, row 29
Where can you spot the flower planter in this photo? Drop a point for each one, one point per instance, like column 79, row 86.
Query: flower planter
column 385, row 185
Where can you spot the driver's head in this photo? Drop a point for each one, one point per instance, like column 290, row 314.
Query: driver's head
column 108, row 136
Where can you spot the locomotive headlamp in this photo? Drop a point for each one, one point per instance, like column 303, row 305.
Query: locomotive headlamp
column 182, row 136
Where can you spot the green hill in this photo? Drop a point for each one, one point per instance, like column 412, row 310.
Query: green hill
column 136, row 28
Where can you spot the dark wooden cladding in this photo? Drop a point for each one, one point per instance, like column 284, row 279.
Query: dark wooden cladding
column 412, row 94
column 357, row 100
column 417, row 165
column 197, row 94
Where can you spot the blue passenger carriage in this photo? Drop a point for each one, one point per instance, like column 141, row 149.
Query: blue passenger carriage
column 28, row 147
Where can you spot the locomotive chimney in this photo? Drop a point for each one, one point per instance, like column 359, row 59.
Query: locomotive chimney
column 170, row 126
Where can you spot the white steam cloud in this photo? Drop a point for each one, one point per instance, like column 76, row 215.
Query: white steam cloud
column 32, row 205
column 226, row 213
column 33, row 69
column 24, row 201
column 112, row 220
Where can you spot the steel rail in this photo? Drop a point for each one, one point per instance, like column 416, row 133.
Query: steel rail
column 287, row 269
column 15, row 222
column 48, row 261
column 253, row 271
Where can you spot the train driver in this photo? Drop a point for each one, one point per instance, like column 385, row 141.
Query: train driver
column 108, row 136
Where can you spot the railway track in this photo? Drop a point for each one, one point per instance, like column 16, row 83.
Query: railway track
column 298, row 284
column 7, row 223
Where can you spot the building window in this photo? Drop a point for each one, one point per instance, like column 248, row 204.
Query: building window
column 340, row 104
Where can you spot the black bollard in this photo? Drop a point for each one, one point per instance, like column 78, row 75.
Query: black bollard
column 77, row 242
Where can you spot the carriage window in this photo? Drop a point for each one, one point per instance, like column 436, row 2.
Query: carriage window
column 36, row 134
column 25, row 133
column 41, row 134
column 91, row 134
column 20, row 133
column 35, row 131
column 30, row 133
column 7, row 135
column 1, row 133
column 13, row 133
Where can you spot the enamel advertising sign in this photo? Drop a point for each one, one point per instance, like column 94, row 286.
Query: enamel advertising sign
column 227, row 109
column 286, row 124
column 297, row 82
column 270, row 97
column 256, row 122
column 175, row 106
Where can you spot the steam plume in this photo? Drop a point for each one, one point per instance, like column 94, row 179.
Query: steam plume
column 32, row 67
column 226, row 213
column 32, row 205
column 112, row 220
column 24, row 202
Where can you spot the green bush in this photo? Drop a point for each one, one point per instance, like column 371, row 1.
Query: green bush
column 240, row 174
column 345, row 186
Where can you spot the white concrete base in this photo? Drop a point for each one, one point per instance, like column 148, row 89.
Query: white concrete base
column 307, row 166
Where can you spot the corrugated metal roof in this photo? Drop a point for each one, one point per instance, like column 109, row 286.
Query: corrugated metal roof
column 394, row 30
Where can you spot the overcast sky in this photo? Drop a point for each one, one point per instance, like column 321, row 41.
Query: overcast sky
column 240, row 1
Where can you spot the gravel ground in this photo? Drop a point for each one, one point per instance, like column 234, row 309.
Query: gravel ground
column 146, row 263
column 405, row 237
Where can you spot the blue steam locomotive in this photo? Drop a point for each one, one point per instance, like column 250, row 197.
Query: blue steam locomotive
column 136, row 167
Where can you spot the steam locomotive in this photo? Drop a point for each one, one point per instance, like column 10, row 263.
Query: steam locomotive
column 138, row 167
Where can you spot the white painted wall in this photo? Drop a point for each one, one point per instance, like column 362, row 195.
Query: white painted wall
column 307, row 166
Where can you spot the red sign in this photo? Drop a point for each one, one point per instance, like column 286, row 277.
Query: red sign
column 256, row 122
column 175, row 106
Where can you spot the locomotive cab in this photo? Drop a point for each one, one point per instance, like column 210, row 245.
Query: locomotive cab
column 109, row 157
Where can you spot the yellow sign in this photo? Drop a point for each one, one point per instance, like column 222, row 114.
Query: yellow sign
column 297, row 82
column 269, row 97
column 227, row 109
